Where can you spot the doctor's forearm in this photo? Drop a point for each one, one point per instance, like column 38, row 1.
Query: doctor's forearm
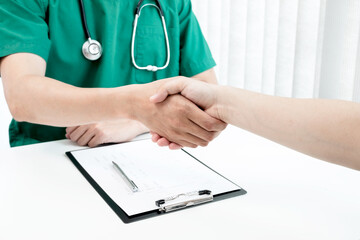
column 47, row 101
column 326, row 129
column 208, row 76
column 32, row 97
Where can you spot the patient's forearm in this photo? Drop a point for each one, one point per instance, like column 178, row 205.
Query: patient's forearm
column 326, row 129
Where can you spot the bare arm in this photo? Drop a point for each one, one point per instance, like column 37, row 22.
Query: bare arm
column 326, row 129
column 119, row 130
column 208, row 76
column 34, row 98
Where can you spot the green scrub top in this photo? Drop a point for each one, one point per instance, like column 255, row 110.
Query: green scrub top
column 53, row 30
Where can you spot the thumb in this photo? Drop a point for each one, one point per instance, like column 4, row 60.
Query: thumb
column 170, row 88
column 160, row 96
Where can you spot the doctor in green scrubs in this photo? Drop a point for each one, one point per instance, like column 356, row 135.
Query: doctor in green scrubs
column 54, row 92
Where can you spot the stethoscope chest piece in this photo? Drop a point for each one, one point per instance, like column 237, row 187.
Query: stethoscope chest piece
column 92, row 50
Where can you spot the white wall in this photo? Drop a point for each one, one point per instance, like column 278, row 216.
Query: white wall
column 5, row 119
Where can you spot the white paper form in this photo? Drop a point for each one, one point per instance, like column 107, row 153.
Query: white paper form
column 158, row 173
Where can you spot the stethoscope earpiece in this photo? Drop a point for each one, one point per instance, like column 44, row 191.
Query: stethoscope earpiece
column 92, row 50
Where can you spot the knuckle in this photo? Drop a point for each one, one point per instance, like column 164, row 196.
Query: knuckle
column 190, row 145
column 183, row 126
column 213, row 126
column 209, row 125
column 212, row 136
column 182, row 110
column 187, row 108
column 181, row 143
column 177, row 123
column 82, row 143
column 204, row 144
column 100, row 134
column 95, row 127
column 223, row 126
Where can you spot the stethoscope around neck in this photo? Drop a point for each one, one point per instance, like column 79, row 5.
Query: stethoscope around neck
column 92, row 49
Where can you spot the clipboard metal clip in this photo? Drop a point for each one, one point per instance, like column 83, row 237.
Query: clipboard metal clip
column 174, row 203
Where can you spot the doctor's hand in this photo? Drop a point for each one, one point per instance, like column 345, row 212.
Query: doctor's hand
column 93, row 135
column 177, row 119
column 202, row 94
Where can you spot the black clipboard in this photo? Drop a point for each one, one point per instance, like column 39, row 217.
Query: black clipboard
column 145, row 215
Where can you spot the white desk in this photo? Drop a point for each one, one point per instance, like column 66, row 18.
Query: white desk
column 290, row 196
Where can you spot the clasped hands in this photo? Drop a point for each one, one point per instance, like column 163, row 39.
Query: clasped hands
column 179, row 112
column 195, row 122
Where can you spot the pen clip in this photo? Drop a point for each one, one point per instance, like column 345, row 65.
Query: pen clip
column 201, row 197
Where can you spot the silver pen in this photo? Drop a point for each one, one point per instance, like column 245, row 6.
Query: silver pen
column 128, row 181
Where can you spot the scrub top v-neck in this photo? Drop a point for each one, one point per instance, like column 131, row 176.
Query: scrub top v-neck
column 53, row 30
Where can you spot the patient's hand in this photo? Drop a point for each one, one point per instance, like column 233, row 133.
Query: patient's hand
column 180, row 121
column 203, row 94
column 93, row 135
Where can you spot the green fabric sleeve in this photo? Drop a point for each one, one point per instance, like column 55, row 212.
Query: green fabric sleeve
column 23, row 27
column 195, row 55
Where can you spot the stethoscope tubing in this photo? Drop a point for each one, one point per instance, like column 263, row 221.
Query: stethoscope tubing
column 92, row 49
column 83, row 18
column 150, row 67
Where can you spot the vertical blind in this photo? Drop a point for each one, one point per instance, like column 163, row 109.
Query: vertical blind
column 290, row 48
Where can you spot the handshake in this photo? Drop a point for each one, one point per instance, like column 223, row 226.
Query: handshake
column 183, row 112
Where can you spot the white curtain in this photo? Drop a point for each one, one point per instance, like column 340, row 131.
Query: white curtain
column 292, row 48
